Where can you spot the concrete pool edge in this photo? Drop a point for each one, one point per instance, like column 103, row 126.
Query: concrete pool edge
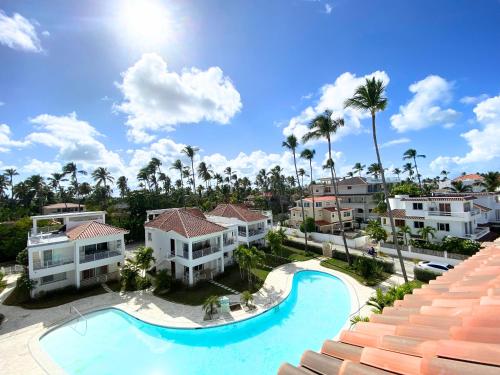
column 279, row 281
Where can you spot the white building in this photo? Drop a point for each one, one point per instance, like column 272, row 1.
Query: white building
column 191, row 247
column 454, row 215
column 76, row 249
column 473, row 180
column 252, row 225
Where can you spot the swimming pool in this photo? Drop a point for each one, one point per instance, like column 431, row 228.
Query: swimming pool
column 117, row 343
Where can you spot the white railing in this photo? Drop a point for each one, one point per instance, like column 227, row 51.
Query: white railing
column 99, row 279
column 206, row 251
column 478, row 233
column 229, row 242
column 99, row 256
column 38, row 265
column 8, row 270
column 79, row 317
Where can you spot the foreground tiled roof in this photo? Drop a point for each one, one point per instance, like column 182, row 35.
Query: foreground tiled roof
column 450, row 326
column 93, row 229
column 399, row 213
column 237, row 211
column 187, row 223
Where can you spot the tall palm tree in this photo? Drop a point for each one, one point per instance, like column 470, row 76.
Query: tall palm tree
column 459, row 187
column 37, row 185
column 204, row 173
column 412, row 154
column 190, row 152
column 397, row 172
column 374, row 170
column 167, row 182
column 102, row 177
column 358, row 168
column 408, row 168
column 177, row 165
column 491, row 181
column 302, row 173
column 427, row 232
column 405, row 232
column 291, row 144
column 323, row 126
column 122, row 185
column 371, row 97
column 3, row 185
column 445, row 174
column 11, row 172
column 55, row 180
column 308, row 154
column 229, row 173
column 72, row 170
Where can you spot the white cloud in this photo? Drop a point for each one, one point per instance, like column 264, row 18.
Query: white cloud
column 75, row 141
column 328, row 8
column 18, row 33
column 423, row 109
column 6, row 143
column 45, row 33
column 2, row 104
column 394, row 142
column 44, row 168
column 156, row 99
column 473, row 99
column 483, row 143
column 333, row 96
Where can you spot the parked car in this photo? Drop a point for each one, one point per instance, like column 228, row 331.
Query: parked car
column 436, row 267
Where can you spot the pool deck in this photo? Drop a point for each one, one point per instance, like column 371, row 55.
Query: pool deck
column 21, row 330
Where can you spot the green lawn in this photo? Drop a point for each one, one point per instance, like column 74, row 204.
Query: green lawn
column 341, row 266
column 17, row 298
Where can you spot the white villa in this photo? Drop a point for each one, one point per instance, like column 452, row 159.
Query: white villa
column 194, row 246
column 453, row 215
column 75, row 249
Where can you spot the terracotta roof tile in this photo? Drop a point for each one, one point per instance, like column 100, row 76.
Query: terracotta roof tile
column 472, row 176
column 187, row 223
column 322, row 222
column 237, row 211
column 352, row 181
column 449, row 326
column 399, row 213
column 93, row 229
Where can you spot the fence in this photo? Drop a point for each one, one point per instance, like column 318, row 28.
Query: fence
column 425, row 254
column 11, row 269
column 356, row 243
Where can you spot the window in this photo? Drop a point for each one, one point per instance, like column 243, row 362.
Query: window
column 346, row 214
column 199, row 267
column 418, row 224
column 444, row 227
column 53, row 278
column 318, row 204
column 150, row 236
column 438, row 267
column 360, row 210
column 87, row 274
column 418, row 206
column 306, row 204
column 399, row 223
column 384, row 221
column 349, row 187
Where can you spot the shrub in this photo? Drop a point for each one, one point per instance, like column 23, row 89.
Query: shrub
column 368, row 268
column 424, row 275
column 310, row 226
column 128, row 277
column 300, row 245
column 142, row 282
column 162, row 281
column 386, row 266
column 381, row 299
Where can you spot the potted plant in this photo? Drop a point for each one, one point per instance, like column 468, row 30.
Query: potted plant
column 247, row 299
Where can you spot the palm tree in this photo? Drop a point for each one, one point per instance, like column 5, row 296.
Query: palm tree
column 412, row 154
column 445, row 174
column 122, row 185
column 167, row 182
column 427, row 232
column 405, row 232
column 370, row 97
column 102, row 177
column 72, row 170
column 143, row 257
column 247, row 298
column 302, row 173
column 397, row 172
column 3, row 185
column 491, row 181
column 11, row 172
column 291, row 144
column 323, row 126
column 459, row 187
column 210, row 305
column 374, row 169
column 408, row 168
column 190, row 152
column 37, row 185
column 308, row 154
column 358, row 168
column 55, row 181
column 204, row 173
column 177, row 165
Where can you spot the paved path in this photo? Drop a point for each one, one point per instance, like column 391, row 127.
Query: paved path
column 230, row 290
column 21, row 330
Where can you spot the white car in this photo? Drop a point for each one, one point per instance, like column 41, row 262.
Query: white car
column 436, row 267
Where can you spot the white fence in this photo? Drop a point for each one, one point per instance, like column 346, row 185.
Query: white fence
column 424, row 254
column 11, row 269
column 356, row 243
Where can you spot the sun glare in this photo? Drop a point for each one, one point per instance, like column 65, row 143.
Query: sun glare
column 146, row 22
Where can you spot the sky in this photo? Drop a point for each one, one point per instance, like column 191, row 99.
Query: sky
column 114, row 83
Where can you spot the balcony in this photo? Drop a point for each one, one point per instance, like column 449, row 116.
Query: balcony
column 229, row 242
column 99, row 256
column 478, row 233
column 39, row 265
column 100, row 279
column 205, row 251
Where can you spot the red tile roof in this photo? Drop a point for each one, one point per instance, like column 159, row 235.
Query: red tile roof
column 399, row 213
column 322, row 222
column 472, row 176
column 237, row 211
column 93, row 229
column 449, row 326
column 187, row 223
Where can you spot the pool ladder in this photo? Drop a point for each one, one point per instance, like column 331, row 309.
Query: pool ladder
column 74, row 309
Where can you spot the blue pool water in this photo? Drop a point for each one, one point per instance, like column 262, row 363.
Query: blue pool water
column 117, row 343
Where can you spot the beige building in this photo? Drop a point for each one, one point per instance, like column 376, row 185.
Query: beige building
column 59, row 208
column 325, row 214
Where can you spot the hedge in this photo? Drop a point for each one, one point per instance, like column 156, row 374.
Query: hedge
column 424, row 275
column 300, row 245
column 340, row 255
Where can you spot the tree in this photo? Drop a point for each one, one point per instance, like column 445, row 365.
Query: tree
column 408, row 168
column 445, row 174
column 122, row 185
column 374, row 170
column 72, row 170
column 358, row 168
column 323, row 126
column 102, row 177
column 412, row 154
column 491, row 181
column 375, row 231
column 371, row 97
column 291, row 144
column 247, row 259
column 247, row 298
column 143, row 257
column 459, row 187
column 275, row 240
column 405, row 232
column 177, row 165
column 406, row 188
column 427, row 232
column 308, row 225
column 11, row 172
column 397, row 172
column 37, row 185
column 190, row 152
column 308, row 155
column 210, row 305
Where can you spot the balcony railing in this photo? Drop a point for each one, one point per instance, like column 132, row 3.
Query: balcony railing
column 100, row 278
column 228, row 241
column 99, row 256
column 38, row 265
column 255, row 232
column 449, row 213
column 478, row 233
column 205, row 251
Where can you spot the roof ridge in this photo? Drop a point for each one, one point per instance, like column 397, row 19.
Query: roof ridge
column 181, row 219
